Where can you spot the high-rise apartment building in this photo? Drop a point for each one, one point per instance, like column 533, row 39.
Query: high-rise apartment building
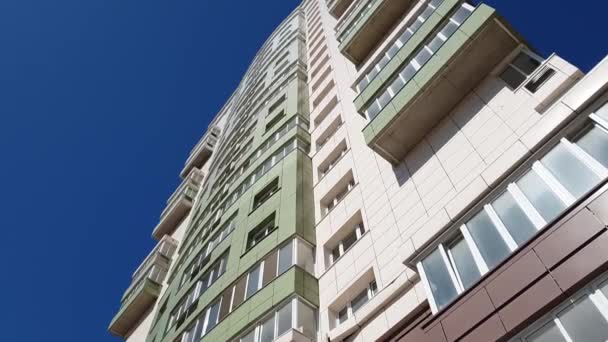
column 388, row 170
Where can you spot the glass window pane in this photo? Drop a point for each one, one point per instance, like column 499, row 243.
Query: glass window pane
column 569, row 170
column 583, row 322
column 373, row 110
column 267, row 334
column 384, row 99
column 359, row 301
column 427, row 13
column 549, row 333
column 343, row 315
column 423, row 56
column 464, row 263
column 514, row 218
column 285, row 257
column 408, row 72
column 449, row 29
column 441, row 285
column 306, row 320
column 525, row 63
column 512, row 77
column 405, row 36
column 595, row 142
column 252, row 283
column 492, row 247
column 250, row 337
column 284, row 321
column 540, row 195
column 416, row 24
column 362, row 84
column 397, row 85
column 349, row 240
column 461, row 15
column 214, row 311
column 436, row 43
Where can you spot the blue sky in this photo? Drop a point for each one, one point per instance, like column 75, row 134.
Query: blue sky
column 100, row 103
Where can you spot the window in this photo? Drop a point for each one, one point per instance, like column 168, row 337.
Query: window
column 261, row 231
column 419, row 59
column 564, row 174
column 276, row 104
column 332, row 159
column 206, row 321
column 274, row 121
column 519, row 69
column 347, row 242
column 581, row 318
column 285, row 257
column 331, row 200
column 538, row 80
column 190, row 301
column 357, row 302
column 266, row 193
column 294, row 314
column 254, row 281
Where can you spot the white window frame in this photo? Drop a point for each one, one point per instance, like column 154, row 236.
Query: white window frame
column 527, row 207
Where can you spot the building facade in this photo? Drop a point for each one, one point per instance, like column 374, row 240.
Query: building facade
column 388, row 170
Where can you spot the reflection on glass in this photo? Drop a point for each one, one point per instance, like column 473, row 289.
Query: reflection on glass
column 514, row 218
column 595, row 142
column 583, row 322
column 464, row 263
column 540, row 195
column 492, row 247
column 569, row 170
column 439, row 279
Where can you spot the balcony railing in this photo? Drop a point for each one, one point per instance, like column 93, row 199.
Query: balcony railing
column 164, row 249
column 179, row 204
column 138, row 299
column 367, row 25
column 201, row 153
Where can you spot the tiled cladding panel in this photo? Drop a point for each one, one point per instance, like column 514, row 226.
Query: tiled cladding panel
column 543, row 273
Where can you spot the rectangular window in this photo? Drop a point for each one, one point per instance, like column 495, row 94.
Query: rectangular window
column 519, row 69
column 266, row 193
column 347, row 242
column 254, row 281
column 261, row 231
column 564, row 174
column 285, row 257
column 581, row 318
column 276, row 104
column 275, row 120
column 357, row 302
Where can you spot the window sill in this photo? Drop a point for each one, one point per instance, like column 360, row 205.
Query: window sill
column 337, row 204
column 328, row 268
column 333, row 167
column 253, row 210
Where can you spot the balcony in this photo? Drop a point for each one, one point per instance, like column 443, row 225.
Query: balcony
column 366, row 25
column 480, row 43
column 338, row 7
column 145, row 288
column 201, row 153
column 179, row 204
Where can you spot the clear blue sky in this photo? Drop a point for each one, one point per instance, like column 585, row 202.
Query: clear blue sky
column 100, row 102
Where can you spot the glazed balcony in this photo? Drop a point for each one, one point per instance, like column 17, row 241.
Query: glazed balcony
column 366, row 24
column 338, row 7
column 201, row 153
column 144, row 290
column 179, row 204
column 479, row 44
